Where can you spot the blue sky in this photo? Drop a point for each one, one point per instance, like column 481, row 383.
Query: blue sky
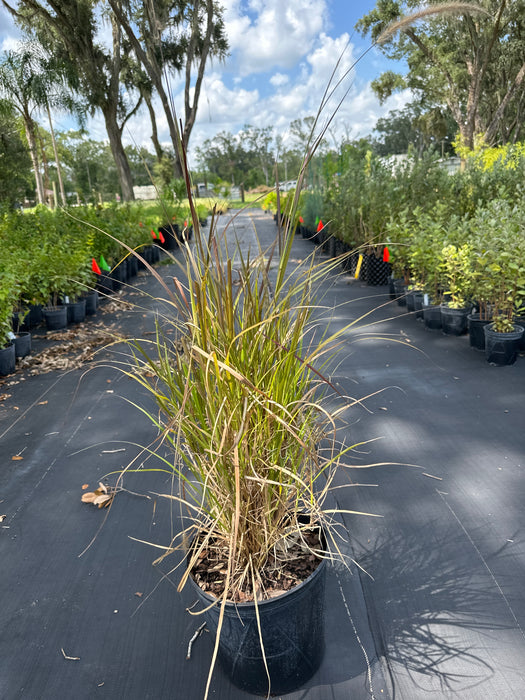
column 282, row 53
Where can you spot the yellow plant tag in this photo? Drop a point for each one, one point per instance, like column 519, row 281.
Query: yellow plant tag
column 358, row 266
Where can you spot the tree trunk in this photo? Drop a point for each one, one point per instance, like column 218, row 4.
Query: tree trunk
column 174, row 132
column 190, row 109
column 155, row 74
column 46, row 180
column 498, row 114
column 57, row 161
column 33, row 151
column 119, row 156
column 154, row 132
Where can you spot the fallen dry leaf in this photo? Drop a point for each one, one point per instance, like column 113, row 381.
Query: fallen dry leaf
column 85, row 486
column 116, row 304
column 42, row 403
column 4, row 397
column 3, row 517
column 16, row 458
column 101, row 497
column 102, row 500
column 72, row 348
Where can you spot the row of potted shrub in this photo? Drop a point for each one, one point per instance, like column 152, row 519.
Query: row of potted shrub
column 52, row 259
column 465, row 264
column 458, row 265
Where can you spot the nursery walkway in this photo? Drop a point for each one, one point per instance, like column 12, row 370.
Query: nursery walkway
column 441, row 609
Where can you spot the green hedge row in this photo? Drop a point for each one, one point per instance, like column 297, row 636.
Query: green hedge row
column 46, row 254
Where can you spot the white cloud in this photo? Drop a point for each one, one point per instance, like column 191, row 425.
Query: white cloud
column 278, row 35
column 290, row 96
column 282, row 57
column 279, row 79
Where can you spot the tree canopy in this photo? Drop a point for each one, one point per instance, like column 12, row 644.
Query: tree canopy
column 15, row 164
column 471, row 60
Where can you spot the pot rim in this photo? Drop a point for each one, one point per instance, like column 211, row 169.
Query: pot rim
column 517, row 329
column 251, row 603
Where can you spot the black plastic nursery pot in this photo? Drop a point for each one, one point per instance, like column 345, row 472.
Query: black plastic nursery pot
column 22, row 344
column 391, row 288
column 454, row 321
column 118, row 276
column 91, row 302
column 502, row 348
column 350, row 261
column 400, row 290
column 55, row 318
column 132, row 266
column 32, row 318
column 76, row 311
column 105, row 283
column 475, row 331
column 171, row 235
column 410, row 300
column 432, row 316
column 520, row 321
column 7, row 360
column 292, row 628
column 155, row 253
column 418, row 305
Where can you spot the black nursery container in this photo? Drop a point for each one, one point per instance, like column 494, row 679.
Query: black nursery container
column 400, row 290
column 171, row 234
column 432, row 316
column 22, row 344
column 476, row 331
column 32, row 318
column 418, row 299
column 502, row 348
column 7, row 360
column 132, row 266
column 119, row 275
column 76, row 311
column 105, row 283
column 55, row 318
column 454, row 321
column 91, row 302
column 292, row 631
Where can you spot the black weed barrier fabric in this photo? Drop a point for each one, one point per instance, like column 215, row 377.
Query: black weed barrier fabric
column 437, row 608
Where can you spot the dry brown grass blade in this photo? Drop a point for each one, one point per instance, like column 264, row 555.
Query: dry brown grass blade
column 447, row 8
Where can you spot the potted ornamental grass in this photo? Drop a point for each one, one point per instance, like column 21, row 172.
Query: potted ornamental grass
column 237, row 374
column 241, row 398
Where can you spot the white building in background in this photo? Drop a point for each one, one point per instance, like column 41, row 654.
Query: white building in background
column 145, row 192
column 451, row 165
